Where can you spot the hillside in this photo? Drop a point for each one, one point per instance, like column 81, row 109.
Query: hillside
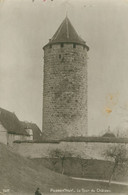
column 23, row 175
column 20, row 174
column 92, row 168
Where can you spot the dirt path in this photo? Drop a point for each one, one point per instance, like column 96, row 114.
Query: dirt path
column 99, row 180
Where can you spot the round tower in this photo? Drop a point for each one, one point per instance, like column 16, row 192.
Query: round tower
column 65, row 84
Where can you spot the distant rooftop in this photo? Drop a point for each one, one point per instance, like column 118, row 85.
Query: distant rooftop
column 67, row 34
column 108, row 134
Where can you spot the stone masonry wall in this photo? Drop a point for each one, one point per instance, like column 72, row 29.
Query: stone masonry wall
column 65, row 91
column 89, row 150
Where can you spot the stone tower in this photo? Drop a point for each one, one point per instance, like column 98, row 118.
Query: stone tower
column 65, row 84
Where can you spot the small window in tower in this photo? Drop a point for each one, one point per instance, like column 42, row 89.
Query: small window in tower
column 62, row 45
column 59, row 56
column 74, row 45
column 50, row 46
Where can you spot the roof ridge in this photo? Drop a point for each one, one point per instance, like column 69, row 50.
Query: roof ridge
column 57, row 31
column 6, row 110
column 11, row 122
column 67, row 27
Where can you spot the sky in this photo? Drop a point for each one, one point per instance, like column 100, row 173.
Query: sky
column 26, row 26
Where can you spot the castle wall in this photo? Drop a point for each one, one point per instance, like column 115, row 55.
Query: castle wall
column 89, row 150
column 65, row 91
column 13, row 137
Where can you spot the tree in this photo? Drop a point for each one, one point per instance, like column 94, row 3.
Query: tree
column 119, row 156
column 62, row 155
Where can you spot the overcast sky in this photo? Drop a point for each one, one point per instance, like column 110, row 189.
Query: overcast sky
column 26, row 26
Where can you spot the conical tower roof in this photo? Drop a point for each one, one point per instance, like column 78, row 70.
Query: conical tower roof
column 67, row 34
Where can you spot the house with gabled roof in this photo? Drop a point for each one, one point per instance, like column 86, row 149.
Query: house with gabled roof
column 33, row 130
column 11, row 128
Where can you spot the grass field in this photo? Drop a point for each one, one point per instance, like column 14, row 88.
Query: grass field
column 22, row 175
column 94, row 169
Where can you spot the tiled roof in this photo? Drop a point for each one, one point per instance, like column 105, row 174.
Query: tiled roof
column 11, row 123
column 67, row 34
column 36, row 131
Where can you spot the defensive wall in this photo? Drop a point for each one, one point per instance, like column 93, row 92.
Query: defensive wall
column 89, row 147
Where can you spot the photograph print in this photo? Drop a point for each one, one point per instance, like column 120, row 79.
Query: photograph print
column 63, row 97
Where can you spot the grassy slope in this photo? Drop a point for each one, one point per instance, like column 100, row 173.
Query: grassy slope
column 20, row 174
column 94, row 169
column 23, row 175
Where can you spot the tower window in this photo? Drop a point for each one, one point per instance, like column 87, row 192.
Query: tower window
column 59, row 56
column 62, row 45
column 50, row 46
column 74, row 45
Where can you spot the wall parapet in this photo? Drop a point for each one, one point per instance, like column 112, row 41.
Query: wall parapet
column 79, row 139
column 38, row 141
column 87, row 150
column 96, row 139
